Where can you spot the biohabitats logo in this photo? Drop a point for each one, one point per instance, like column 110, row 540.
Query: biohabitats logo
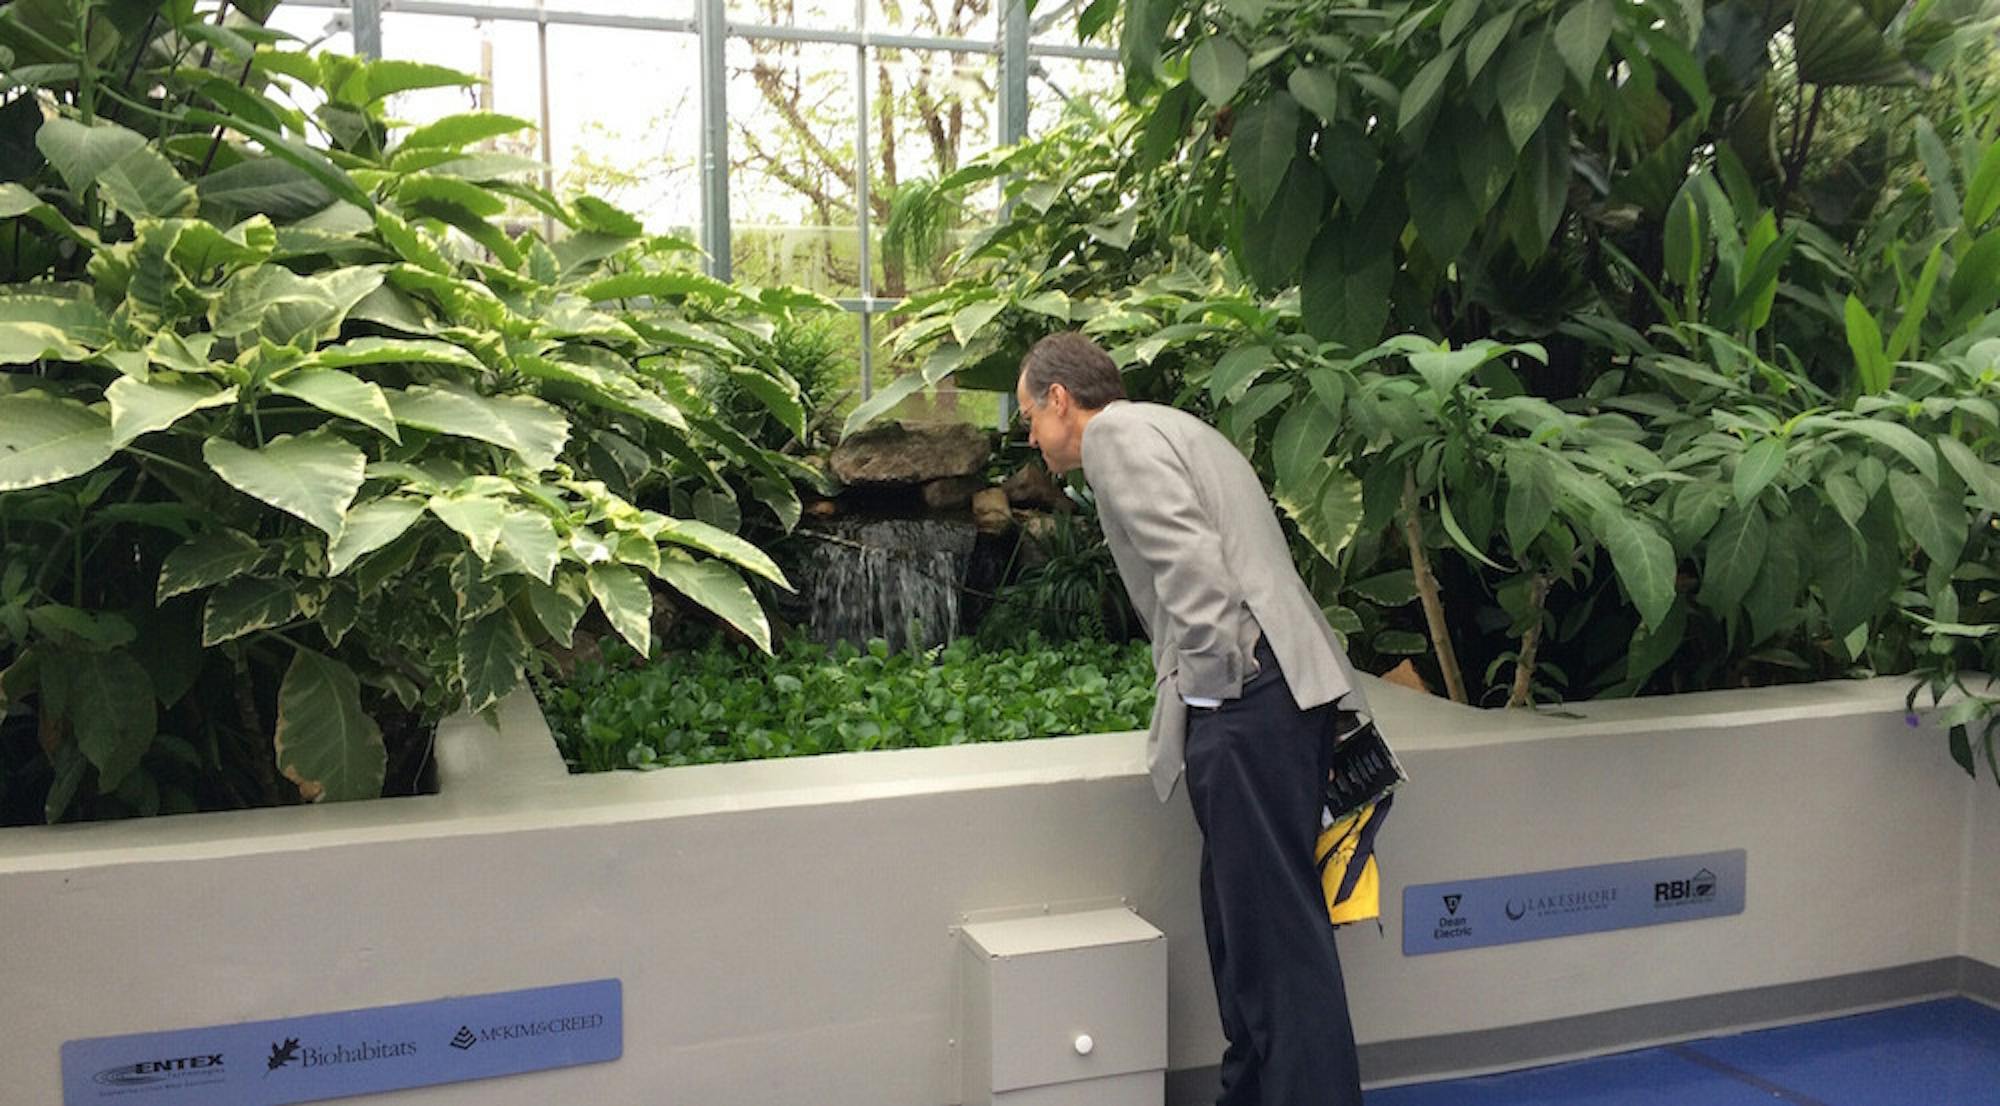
column 288, row 1052
column 282, row 1054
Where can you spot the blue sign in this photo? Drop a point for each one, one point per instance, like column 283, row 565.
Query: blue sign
column 322, row 1056
column 1500, row 910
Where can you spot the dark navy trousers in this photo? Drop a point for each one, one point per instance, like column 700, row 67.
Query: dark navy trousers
column 1255, row 769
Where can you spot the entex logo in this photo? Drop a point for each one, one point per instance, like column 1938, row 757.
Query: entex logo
column 147, row 1072
column 1684, row 892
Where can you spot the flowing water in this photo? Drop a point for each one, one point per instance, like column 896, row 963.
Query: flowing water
column 895, row 579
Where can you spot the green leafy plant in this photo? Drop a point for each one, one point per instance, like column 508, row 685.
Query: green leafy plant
column 1068, row 589
column 1690, row 398
column 303, row 437
column 722, row 704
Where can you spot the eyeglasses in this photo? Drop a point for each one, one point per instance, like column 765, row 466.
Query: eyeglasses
column 1024, row 416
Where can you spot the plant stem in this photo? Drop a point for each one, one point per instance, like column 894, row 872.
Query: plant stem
column 253, row 728
column 1531, row 641
column 167, row 461
column 1427, row 590
column 86, row 70
column 1796, row 164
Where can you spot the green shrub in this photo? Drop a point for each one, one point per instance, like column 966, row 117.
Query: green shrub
column 721, row 704
column 307, row 438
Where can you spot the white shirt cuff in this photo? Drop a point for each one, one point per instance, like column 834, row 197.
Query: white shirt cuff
column 1201, row 701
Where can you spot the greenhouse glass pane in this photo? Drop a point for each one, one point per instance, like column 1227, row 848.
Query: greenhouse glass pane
column 651, row 9
column 1058, row 87
column 625, row 121
column 503, row 56
column 944, row 403
column 1061, row 17
column 968, row 19
column 931, row 112
column 823, row 14
column 791, row 165
column 316, row 28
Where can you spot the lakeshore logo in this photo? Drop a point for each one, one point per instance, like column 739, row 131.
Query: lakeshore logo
column 179, row 1069
column 463, row 1039
column 1696, row 890
column 290, row 1051
column 1566, row 902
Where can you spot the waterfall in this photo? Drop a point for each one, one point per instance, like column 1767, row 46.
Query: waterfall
column 893, row 579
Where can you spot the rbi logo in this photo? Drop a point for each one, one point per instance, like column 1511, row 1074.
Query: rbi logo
column 1451, row 903
column 1698, row 889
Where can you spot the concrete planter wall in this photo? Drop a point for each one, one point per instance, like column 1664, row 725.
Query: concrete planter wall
column 784, row 930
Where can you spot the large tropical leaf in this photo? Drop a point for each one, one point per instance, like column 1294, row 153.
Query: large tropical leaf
column 107, row 701
column 1531, row 77
column 627, row 603
column 244, row 606
column 370, row 526
column 491, row 651
column 718, row 542
column 717, row 586
column 143, row 406
column 143, row 185
column 43, row 440
column 313, row 476
column 325, row 742
column 205, row 561
column 1644, row 561
column 82, row 152
column 1838, row 44
column 339, row 393
column 1735, row 554
column 528, row 426
column 477, row 518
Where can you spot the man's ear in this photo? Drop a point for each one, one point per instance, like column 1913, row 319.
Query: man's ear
column 1057, row 390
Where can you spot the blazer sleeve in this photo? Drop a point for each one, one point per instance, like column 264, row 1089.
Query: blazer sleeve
column 1143, row 482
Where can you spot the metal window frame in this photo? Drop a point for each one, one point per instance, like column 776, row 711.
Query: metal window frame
column 1015, row 45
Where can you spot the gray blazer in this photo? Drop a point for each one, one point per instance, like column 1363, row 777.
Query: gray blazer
column 1202, row 556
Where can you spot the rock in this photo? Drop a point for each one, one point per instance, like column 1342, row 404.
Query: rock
column 911, row 453
column 952, row 493
column 990, row 513
column 1032, row 486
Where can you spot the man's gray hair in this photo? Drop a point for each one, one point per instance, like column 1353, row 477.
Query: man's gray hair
column 1078, row 364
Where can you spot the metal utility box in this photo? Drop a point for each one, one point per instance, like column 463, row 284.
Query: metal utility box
column 1064, row 1010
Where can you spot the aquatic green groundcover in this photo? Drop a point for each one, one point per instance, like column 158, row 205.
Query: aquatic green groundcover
column 720, row 704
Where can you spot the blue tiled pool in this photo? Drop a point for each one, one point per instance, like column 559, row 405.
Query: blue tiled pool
column 1941, row 1053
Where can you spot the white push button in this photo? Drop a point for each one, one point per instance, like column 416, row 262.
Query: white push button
column 1084, row 1044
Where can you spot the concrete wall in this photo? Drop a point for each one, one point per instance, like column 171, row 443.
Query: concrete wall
column 783, row 929
column 1981, row 940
